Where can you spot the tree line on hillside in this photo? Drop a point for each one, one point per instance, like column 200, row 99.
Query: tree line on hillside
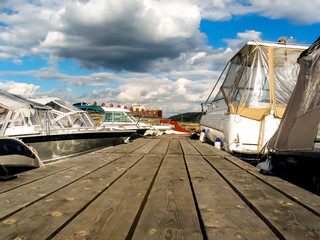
column 187, row 117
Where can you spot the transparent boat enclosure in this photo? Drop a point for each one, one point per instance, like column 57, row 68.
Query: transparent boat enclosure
column 69, row 116
column 260, row 79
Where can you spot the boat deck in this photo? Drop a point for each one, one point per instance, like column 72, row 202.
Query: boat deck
column 167, row 187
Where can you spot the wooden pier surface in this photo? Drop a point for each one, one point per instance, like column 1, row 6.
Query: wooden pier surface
column 167, row 187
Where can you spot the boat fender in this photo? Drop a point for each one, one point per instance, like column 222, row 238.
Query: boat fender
column 202, row 137
column 217, row 143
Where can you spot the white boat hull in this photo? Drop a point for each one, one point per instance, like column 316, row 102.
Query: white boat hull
column 16, row 157
column 54, row 150
column 237, row 133
column 57, row 146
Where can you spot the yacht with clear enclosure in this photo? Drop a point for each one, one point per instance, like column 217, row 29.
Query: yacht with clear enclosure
column 247, row 102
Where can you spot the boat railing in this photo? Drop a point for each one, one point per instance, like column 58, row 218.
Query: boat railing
column 139, row 121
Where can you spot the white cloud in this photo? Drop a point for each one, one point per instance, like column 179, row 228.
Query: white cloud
column 129, row 35
column 170, row 95
column 135, row 35
column 160, row 39
column 22, row 89
column 244, row 37
column 298, row 12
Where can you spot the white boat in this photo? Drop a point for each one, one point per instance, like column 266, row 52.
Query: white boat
column 250, row 96
column 16, row 157
column 121, row 118
column 35, row 125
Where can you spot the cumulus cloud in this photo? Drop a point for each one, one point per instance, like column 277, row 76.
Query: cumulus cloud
column 125, row 35
column 298, row 12
column 242, row 38
column 174, row 91
column 133, row 35
column 293, row 10
column 222, row 10
column 22, row 89
column 170, row 95
column 158, row 40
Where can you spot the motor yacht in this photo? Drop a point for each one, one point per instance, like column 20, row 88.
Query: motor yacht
column 246, row 105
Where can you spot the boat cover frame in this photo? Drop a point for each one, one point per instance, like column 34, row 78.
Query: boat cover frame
column 259, row 79
column 300, row 124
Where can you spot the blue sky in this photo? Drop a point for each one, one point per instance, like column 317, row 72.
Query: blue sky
column 165, row 54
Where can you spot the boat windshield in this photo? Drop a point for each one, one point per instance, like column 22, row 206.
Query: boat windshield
column 117, row 117
column 62, row 106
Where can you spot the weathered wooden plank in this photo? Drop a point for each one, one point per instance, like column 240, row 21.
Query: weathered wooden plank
column 310, row 200
column 170, row 211
column 43, row 218
column 111, row 215
column 300, row 195
column 174, row 147
column 188, row 149
column 224, row 214
column 40, row 173
column 127, row 147
column 288, row 218
column 73, row 199
column 147, row 147
column 17, row 198
column 161, row 148
column 204, row 148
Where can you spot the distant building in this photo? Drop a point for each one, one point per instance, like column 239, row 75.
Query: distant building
column 137, row 109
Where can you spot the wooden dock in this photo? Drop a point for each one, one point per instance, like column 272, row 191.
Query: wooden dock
column 168, row 187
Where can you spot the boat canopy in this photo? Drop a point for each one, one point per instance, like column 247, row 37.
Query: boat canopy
column 11, row 101
column 89, row 107
column 17, row 112
column 259, row 79
column 300, row 124
column 58, row 104
column 66, row 115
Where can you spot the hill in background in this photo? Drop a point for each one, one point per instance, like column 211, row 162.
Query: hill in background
column 193, row 117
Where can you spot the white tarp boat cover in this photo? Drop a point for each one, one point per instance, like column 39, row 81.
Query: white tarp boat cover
column 299, row 126
column 260, row 79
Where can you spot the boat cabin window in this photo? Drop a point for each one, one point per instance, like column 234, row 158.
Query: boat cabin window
column 17, row 119
column 33, row 117
column 218, row 97
column 76, row 121
column 286, row 71
column 65, row 122
column 46, row 116
column 116, row 117
column 88, row 122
